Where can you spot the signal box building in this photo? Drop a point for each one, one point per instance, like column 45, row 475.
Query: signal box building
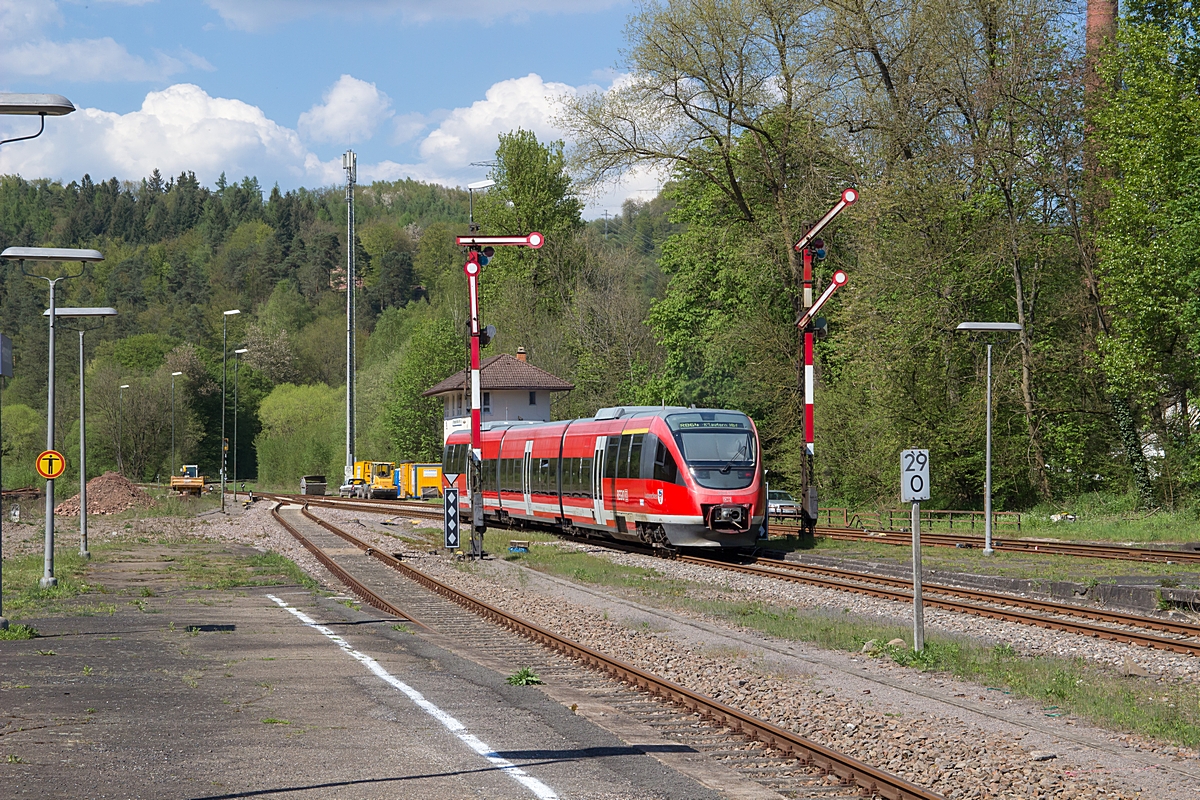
column 511, row 389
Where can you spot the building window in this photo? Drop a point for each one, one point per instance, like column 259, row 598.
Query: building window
column 487, row 402
column 533, row 398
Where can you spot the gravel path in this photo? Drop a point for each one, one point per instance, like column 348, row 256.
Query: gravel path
column 955, row 737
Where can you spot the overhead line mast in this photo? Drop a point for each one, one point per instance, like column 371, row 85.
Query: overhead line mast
column 349, row 163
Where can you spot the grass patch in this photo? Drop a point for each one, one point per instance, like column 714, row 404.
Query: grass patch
column 213, row 569
column 587, row 568
column 22, row 592
column 19, row 632
column 525, row 676
column 273, row 721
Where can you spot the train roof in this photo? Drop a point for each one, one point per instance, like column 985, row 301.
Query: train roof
column 610, row 413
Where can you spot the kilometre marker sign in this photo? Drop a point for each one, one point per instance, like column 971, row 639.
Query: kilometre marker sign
column 914, row 475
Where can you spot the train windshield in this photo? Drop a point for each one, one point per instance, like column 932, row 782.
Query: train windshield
column 718, row 446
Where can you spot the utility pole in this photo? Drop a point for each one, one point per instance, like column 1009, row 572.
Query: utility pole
column 349, row 163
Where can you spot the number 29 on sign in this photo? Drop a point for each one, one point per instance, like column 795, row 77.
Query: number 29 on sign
column 914, row 475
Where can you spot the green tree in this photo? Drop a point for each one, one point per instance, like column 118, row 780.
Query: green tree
column 303, row 433
column 1148, row 132
column 434, row 353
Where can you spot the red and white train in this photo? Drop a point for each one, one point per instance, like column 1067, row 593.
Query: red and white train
column 684, row 477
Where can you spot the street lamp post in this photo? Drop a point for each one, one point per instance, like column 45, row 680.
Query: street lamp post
column 79, row 313
column 224, row 378
column 993, row 327
column 236, row 353
column 121, row 424
column 21, row 255
column 42, row 105
column 174, row 375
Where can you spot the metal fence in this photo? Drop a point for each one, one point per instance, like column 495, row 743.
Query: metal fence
column 895, row 519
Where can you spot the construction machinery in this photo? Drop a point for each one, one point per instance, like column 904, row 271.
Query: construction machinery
column 378, row 477
column 418, row 481
column 189, row 481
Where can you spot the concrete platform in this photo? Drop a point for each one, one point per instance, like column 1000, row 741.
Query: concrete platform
column 221, row 695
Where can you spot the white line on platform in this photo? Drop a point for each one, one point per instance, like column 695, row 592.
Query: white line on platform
column 539, row 789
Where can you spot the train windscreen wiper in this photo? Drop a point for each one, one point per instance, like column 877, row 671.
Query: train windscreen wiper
column 729, row 465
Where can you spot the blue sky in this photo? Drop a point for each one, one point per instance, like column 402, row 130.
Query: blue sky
column 280, row 88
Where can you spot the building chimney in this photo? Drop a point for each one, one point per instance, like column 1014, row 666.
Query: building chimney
column 520, row 354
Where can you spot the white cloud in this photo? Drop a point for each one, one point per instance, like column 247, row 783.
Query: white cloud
column 27, row 52
column 184, row 128
column 86, row 59
column 251, row 15
column 179, row 128
column 470, row 134
column 351, row 113
column 407, row 127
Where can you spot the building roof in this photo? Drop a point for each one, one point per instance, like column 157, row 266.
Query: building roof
column 497, row 373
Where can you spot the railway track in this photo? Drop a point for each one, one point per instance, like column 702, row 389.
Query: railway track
column 785, row 762
column 1042, row 547
column 979, row 603
column 899, row 538
column 1182, row 637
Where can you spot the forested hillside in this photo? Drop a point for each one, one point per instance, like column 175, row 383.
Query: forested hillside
column 178, row 254
column 995, row 186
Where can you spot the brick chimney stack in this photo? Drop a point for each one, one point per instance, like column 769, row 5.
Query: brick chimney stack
column 521, row 354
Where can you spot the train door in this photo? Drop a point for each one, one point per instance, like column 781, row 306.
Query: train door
column 525, row 477
column 598, row 480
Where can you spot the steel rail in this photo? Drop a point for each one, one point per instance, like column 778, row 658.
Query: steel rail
column 1061, row 548
column 869, row 779
column 358, row 587
column 1083, row 628
column 358, row 504
column 1048, row 606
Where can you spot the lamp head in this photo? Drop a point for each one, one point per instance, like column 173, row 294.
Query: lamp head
column 990, row 326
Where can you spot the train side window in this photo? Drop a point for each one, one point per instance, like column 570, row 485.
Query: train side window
column 610, row 457
column 585, row 473
column 623, row 457
column 665, row 468
column 635, row 455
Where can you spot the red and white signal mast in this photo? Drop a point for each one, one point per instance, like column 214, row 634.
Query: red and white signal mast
column 479, row 250
column 813, row 326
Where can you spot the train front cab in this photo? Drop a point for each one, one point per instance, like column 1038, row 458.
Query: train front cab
column 691, row 477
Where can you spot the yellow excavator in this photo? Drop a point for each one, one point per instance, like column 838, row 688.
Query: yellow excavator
column 189, row 481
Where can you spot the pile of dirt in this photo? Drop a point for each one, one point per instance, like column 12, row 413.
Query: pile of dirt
column 109, row 493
